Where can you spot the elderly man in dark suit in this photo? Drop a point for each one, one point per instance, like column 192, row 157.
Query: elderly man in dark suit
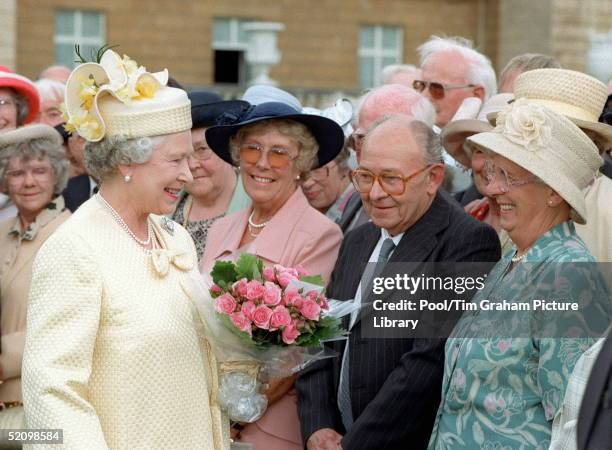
column 384, row 393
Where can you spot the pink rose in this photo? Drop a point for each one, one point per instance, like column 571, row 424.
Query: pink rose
column 215, row 289
column 291, row 295
column 268, row 274
column 284, row 279
column 225, row 304
column 280, row 318
column 290, row 334
column 247, row 309
column 240, row 287
column 241, row 322
column 323, row 301
column 310, row 310
column 261, row 317
column 254, row 290
column 272, row 294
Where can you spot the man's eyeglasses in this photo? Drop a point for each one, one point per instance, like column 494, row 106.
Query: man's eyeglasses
column 437, row 90
column 391, row 183
column 507, row 182
column 278, row 157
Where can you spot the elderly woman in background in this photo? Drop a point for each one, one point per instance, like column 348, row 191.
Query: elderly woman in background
column 216, row 189
column 115, row 351
column 504, row 390
column 273, row 144
column 51, row 97
column 33, row 171
column 453, row 138
column 19, row 104
column 329, row 188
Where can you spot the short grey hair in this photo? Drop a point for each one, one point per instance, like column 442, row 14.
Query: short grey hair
column 480, row 71
column 426, row 139
column 307, row 144
column 526, row 62
column 37, row 148
column 392, row 69
column 342, row 160
column 50, row 90
column 103, row 158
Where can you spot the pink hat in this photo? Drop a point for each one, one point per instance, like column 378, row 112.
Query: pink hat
column 23, row 86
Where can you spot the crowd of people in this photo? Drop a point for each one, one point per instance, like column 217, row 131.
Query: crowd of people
column 119, row 190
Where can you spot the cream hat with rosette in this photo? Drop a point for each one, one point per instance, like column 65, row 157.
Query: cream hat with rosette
column 549, row 146
column 117, row 97
column 575, row 95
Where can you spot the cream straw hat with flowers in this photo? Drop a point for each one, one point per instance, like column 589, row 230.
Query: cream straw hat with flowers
column 549, row 146
column 118, row 97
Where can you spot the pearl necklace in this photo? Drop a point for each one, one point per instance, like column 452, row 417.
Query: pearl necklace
column 256, row 225
column 124, row 225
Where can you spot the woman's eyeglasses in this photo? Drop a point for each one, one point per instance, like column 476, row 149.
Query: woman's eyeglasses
column 506, row 181
column 392, row 184
column 278, row 157
column 320, row 174
column 436, row 90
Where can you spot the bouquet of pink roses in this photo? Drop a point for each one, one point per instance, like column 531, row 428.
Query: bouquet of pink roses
column 267, row 323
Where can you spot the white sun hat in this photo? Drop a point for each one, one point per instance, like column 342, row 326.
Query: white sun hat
column 117, row 97
column 549, row 146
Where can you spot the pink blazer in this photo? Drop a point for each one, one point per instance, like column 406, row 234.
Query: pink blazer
column 297, row 234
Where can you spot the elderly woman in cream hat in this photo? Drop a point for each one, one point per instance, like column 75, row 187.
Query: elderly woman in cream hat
column 33, row 173
column 504, row 389
column 115, row 353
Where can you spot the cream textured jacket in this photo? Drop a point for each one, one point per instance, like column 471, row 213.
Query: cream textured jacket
column 115, row 353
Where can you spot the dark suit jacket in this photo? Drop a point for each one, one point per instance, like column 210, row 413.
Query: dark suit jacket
column 595, row 419
column 467, row 196
column 394, row 383
column 77, row 192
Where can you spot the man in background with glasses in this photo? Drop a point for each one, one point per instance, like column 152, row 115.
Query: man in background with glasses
column 380, row 102
column 386, row 391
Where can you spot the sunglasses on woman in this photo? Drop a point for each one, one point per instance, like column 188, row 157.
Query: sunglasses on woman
column 278, row 157
column 437, row 90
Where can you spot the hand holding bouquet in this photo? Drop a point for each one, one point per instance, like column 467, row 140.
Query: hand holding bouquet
column 267, row 321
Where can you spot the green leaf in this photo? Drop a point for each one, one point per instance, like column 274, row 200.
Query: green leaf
column 249, row 267
column 313, row 279
column 223, row 273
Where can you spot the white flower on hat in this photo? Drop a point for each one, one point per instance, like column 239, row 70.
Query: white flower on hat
column 525, row 124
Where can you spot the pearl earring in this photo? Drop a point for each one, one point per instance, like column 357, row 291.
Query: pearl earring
column 127, row 178
column 550, row 203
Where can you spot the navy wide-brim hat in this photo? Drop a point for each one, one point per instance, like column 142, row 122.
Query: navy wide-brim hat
column 326, row 132
column 208, row 107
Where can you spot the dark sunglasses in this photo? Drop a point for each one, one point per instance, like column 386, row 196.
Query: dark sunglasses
column 436, row 90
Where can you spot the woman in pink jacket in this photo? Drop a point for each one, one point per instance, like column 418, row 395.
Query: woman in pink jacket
column 273, row 144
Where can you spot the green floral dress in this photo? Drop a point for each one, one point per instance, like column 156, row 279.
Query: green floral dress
column 499, row 391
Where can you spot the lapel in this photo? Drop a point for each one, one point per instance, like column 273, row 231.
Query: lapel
column 273, row 240
column 29, row 249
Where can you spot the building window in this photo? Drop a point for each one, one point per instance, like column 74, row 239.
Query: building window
column 230, row 44
column 599, row 55
column 379, row 46
column 86, row 28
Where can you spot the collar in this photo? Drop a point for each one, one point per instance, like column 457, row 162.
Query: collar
column 384, row 234
column 49, row 212
column 271, row 242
